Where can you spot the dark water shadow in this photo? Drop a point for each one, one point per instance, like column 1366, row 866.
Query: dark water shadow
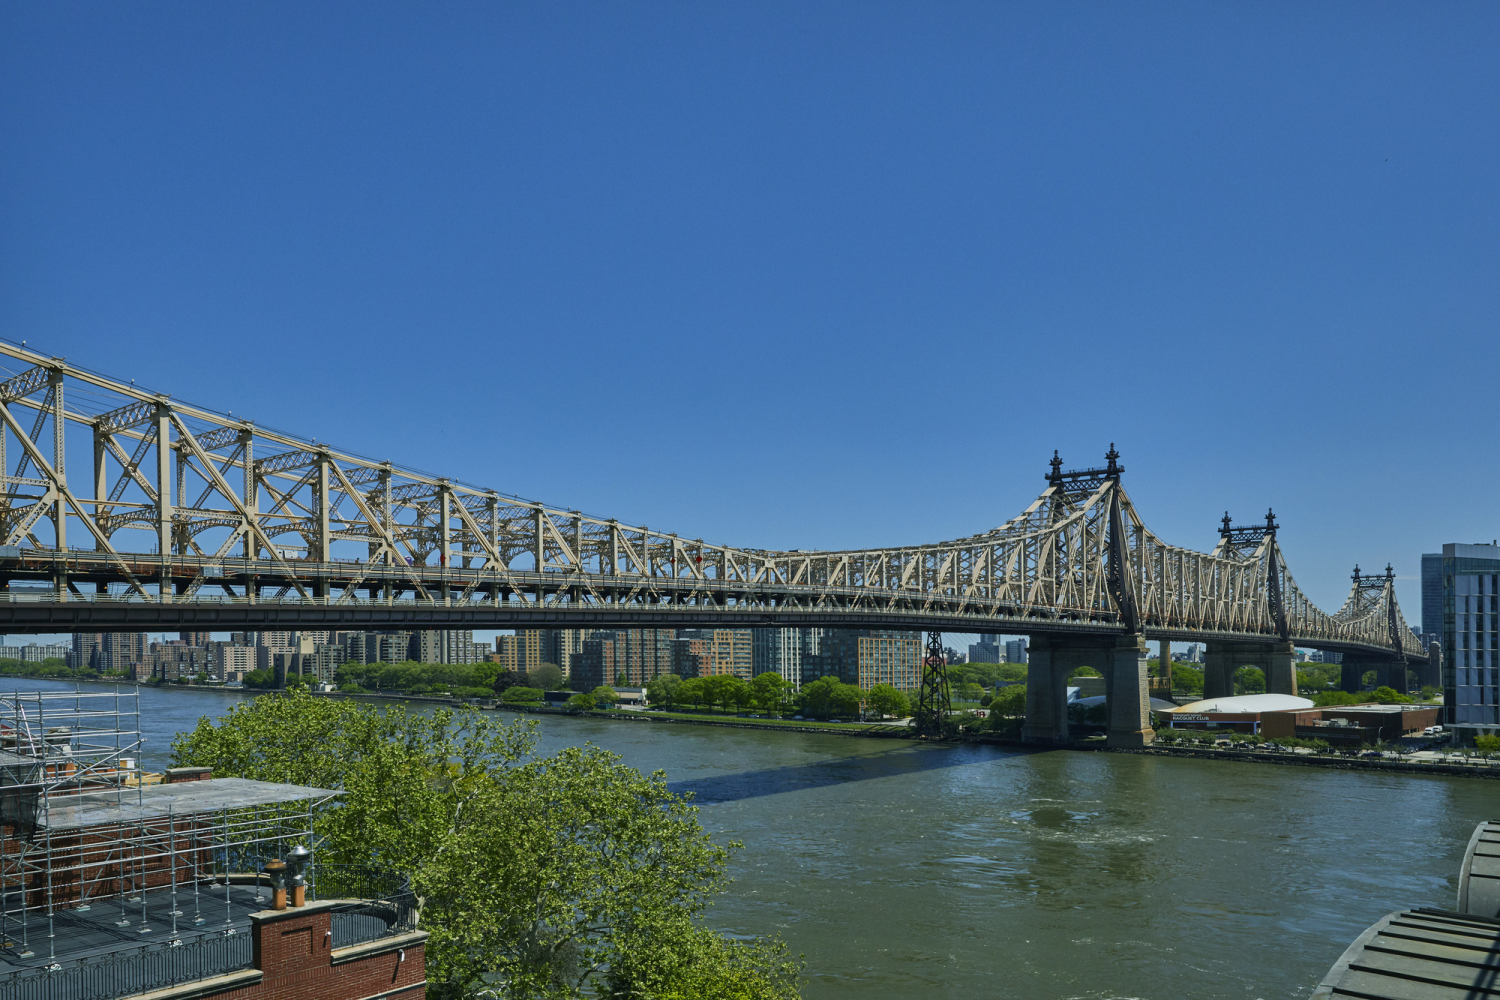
column 837, row 771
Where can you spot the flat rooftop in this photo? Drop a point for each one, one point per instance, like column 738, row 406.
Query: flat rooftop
column 98, row 931
column 184, row 798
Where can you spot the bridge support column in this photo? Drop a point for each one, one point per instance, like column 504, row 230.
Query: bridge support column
column 1354, row 667
column 1276, row 660
column 1434, row 673
column 1281, row 668
column 1129, row 705
column 1050, row 660
column 1218, row 669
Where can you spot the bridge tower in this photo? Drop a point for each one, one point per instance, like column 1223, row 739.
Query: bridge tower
column 933, row 702
column 1119, row 658
column 1390, row 670
column 1277, row 659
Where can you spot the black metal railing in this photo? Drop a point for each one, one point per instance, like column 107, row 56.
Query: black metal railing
column 154, row 967
column 380, row 902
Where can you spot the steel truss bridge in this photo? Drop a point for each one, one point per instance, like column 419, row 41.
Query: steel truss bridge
column 127, row 510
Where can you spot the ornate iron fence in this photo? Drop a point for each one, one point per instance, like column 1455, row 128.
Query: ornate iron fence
column 373, row 903
column 154, row 967
column 381, row 902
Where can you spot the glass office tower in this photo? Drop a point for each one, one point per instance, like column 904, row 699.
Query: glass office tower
column 1432, row 597
column 1471, row 655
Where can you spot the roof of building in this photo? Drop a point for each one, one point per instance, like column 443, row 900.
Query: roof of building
column 1247, row 703
column 1418, row 953
column 1157, row 704
column 74, row 812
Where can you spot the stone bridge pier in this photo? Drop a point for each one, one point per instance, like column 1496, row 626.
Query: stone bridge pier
column 1122, row 661
column 1277, row 660
column 1389, row 672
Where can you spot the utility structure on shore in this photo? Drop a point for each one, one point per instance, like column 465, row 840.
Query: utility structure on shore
column 181, row 518
column 934, row 703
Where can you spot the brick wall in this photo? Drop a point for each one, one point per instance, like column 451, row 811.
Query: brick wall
column 293, row 950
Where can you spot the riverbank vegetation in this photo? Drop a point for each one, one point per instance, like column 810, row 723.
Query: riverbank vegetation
column 54, row 669
column 460, row 680
column 566, row 876
column 824, row 698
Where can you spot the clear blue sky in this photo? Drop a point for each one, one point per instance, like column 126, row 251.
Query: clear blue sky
column 796, row 275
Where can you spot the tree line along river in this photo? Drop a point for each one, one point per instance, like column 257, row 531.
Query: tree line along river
column 902, row 870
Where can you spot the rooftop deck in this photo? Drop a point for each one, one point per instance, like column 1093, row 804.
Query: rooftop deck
column 112, row 950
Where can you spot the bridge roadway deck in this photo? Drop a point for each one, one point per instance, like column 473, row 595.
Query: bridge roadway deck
column 482, row 598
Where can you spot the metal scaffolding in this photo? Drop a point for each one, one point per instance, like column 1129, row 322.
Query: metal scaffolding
column 81, row 823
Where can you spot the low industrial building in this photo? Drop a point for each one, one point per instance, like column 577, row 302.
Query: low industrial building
column 1280, row 716
column 1351, row 725
column 1241, row 713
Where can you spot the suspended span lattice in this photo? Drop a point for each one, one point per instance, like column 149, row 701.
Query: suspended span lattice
column 125, row 509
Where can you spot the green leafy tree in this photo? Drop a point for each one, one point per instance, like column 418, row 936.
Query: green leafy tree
column 559, row 877
column 509, row 679
column 1010, row 700
column 828, row 696
column 547, row 676
column 583, row 703
column 734, row 971
column 662, row 690
column 693, row 691
column 259, row 679
column 986, row 674
column 771, row 692
column 606, row 696
column 1332, row 698
column 968, row 691
column 1085, row 672
column 1318, row 676
column 1250, row 680
column 1384, row 695
column 1187, row 679
column 1487, row 743
column 726, row 691
column 884, row 700
column 522, row 695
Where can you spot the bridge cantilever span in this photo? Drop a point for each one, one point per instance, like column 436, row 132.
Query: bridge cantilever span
column 170, row 515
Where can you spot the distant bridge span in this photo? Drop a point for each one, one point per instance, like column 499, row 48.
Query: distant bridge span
column 128, row 510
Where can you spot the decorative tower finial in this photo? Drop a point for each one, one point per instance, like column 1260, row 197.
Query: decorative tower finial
column 1356, row 572
column 1056, row 473
column 1112, row 456
column 1270, row 521
column 1225, row 530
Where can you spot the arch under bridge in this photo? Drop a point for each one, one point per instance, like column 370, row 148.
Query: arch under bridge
column 124, row 509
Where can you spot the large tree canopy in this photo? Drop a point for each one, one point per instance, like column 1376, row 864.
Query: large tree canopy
column 563, row 876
